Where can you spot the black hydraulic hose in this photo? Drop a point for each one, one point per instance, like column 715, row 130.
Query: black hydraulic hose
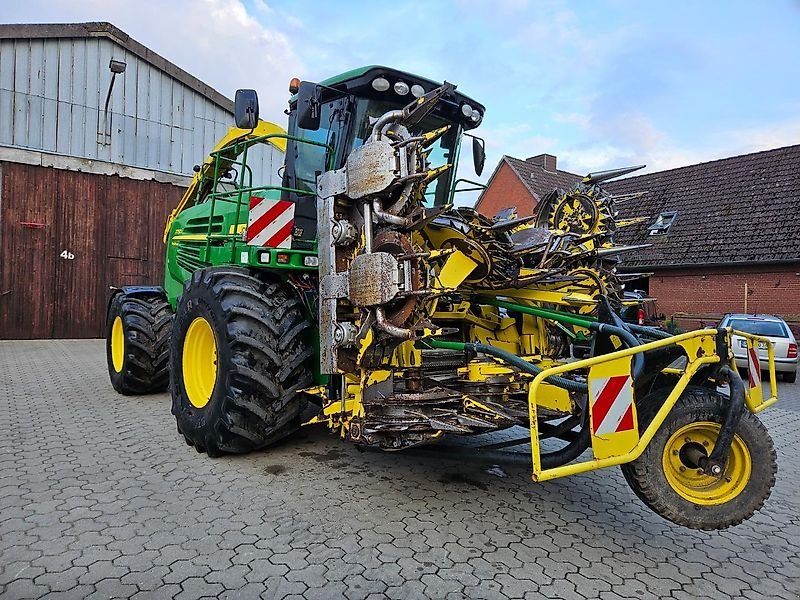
column 571, row 451
column 733, row 412
column 522, row 364
column 564, row 428
column 628, row 339
column 651, row 332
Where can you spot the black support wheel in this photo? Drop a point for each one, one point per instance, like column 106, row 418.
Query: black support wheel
column 241, row 359
column 138, row 329
column 668, row 478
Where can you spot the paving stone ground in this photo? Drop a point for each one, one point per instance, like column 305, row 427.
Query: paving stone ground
column 100, row 498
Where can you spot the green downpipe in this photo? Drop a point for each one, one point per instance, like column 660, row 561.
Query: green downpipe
column 587, row 322
column 545, row 313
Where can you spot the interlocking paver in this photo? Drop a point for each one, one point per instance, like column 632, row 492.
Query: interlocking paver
column 100, row 498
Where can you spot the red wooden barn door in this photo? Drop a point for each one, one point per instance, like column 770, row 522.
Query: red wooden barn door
column 28, row 256
column 77, row 265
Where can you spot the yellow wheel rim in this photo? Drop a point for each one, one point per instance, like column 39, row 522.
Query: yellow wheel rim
column 199, row 362
column 689, row 481
column 117, row 345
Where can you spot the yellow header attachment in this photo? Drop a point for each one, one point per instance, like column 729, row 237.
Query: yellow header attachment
column 233, row 136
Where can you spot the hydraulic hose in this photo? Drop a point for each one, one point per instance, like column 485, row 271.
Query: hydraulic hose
column 512, row 359
column 548, row 460
column 651, row 332
column 571, row 451
column 628, row 339
column 590, row 323
column 733, row 411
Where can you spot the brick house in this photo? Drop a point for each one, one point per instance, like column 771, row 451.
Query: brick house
column 724, row 235
column 521, row 184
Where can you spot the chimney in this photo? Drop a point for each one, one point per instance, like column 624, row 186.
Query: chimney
column 546, row 161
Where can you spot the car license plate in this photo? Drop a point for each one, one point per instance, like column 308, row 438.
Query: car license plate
column 761, row 345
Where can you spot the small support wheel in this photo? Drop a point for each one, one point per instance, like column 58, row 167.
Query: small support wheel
column 669, row 475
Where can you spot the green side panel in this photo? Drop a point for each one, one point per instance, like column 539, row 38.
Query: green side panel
column 186, row 244
column 196, row 241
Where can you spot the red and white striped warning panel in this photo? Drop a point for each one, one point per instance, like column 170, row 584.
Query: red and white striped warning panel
column 612, row 404
column 270, row 223
column 753, row 366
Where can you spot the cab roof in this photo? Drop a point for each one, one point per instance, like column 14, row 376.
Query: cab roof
column 356, row 81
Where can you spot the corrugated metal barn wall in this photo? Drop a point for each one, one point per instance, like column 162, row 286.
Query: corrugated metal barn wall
column 65, row 238
column 52, row 97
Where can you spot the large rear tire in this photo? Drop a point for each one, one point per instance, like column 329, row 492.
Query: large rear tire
column 241, row 358
column 667, row 478
column 137, row 343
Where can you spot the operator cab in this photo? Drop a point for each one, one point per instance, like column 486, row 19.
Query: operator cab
column 327, row 121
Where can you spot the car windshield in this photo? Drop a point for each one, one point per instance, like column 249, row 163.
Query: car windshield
column 767, row 328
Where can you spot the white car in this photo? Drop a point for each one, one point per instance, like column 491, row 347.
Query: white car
column 771, row 327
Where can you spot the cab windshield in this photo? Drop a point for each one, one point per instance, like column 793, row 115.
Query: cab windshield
column 344, row 126
column 443, row 151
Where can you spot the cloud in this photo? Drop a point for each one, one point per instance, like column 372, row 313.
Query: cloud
column 600, row 86
column 640, row 142
column 218, row 41
column 580, row 120
column 776, row 135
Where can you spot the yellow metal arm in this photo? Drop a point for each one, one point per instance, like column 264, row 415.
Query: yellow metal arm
column 233, row 136
column 700, row 349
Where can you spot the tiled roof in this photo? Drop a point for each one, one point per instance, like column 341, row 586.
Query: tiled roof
column 539, row 180
column 740, row 209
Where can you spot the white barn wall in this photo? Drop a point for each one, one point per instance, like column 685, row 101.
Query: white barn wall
column 52, row 94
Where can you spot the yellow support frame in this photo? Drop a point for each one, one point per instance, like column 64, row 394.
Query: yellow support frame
column 700, row 347
column 773, row 383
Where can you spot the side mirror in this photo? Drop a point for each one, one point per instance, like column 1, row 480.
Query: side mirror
column 308, row 106
column 478, row 154
column 245, row 109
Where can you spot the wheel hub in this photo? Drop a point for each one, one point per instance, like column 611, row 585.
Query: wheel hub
column 683, row 461
column 117, row 345
column 199, row 362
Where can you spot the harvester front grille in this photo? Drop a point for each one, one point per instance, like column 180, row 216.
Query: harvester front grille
column 188, row 256
column 199, row 225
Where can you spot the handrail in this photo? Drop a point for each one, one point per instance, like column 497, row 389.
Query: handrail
column 231, row 137
column 241, row 147
column 226, row 148
column 259, row 188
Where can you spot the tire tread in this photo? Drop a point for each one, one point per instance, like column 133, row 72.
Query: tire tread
column 701, row 404
column 265, row 328
column 147, row 321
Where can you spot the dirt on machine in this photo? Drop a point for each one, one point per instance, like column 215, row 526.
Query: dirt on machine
column 341, row 277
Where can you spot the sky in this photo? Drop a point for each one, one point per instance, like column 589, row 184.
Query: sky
column 600, row 84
